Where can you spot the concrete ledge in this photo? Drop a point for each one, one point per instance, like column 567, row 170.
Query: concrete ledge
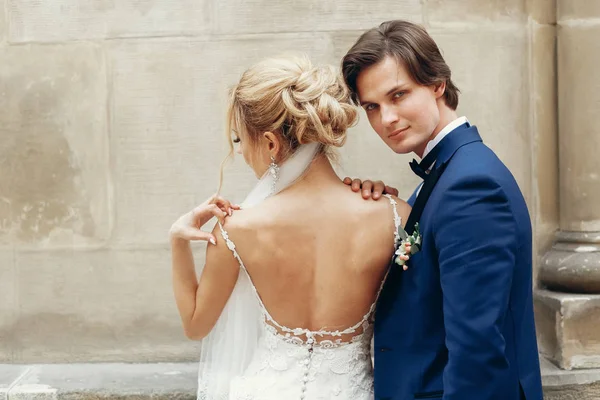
column 98, row 381
column 179, row 382
column 567, row 326
column 569, row 385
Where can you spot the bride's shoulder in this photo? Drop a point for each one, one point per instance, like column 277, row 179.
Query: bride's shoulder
column 382, row 207
column 246, row 219
column 237, row 220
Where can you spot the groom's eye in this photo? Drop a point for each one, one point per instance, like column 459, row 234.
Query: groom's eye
column 397, row 95
column 370, row 107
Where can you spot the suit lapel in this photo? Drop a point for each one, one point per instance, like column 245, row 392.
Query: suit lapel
column 421, row 200
column 448, row 147
column 458, row 138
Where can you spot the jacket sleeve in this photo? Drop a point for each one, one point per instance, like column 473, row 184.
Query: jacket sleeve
column 476, row 238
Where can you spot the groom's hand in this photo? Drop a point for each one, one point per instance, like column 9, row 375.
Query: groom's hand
column 370, row 189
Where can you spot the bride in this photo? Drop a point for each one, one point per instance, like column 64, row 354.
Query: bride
column 284, row 304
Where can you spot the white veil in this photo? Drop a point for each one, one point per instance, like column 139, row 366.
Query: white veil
column 226, row 352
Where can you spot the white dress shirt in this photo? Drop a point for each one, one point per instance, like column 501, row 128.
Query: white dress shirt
column 447, row 129
column 443, row 133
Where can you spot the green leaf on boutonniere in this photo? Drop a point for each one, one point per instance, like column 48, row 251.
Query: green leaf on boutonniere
column 414, row 249
column 404, row 238
column 402, row 233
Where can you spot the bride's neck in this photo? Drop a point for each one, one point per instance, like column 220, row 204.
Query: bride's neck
column 320, row 171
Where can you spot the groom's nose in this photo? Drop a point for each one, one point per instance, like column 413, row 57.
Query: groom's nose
column 389, row 116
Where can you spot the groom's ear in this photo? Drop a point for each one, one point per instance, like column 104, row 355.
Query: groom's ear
column 439, row 89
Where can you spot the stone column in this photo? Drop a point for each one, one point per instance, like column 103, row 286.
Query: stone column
column 568, row 310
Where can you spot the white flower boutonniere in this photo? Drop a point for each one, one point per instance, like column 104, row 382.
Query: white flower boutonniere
column 407, row 246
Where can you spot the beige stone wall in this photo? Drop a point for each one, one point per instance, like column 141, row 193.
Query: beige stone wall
column 579, row 88
column 111, row 126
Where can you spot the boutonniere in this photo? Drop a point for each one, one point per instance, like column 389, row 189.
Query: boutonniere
column 407, row 245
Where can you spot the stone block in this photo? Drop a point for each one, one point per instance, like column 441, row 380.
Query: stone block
column 567, row 327
column 579, row 139
column 104, row 305
column 577, row 10
column 243, row 16
column 342, row 42
column 54, row 187
column 491, row 69
column 168, row 117
column 461, row 11
column 542, row 11
column 8, row 304
column 35, row 21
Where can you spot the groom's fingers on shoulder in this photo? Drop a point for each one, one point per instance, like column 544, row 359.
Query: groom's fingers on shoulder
column 367, row 189
column 378, row 189
column 391, row 190
column 355, row 184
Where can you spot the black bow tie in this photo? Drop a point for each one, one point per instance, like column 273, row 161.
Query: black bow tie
column 417, row 169
column 422, row 168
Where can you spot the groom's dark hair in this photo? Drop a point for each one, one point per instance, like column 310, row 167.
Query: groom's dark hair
column 409, row 44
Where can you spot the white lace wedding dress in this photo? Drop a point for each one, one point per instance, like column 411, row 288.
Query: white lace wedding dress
column 296, row 363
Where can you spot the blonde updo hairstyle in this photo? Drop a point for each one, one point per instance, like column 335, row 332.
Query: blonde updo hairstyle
column 293, row 99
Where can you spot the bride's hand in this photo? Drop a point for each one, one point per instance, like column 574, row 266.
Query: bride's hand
column 187, row 227
column 370, row 189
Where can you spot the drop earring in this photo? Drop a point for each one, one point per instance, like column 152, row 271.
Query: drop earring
column 274, row 171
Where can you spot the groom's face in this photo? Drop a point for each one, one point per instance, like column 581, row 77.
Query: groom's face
column 402, row 112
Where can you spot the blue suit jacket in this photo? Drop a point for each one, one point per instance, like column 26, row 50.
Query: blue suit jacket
column 458, row 324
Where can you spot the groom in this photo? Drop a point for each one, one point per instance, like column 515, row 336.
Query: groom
column 458, row 324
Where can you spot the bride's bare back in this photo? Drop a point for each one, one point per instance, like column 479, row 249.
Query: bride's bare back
column 316, row 252
column 317, row 255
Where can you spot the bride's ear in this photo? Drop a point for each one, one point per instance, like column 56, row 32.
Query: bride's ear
column 273, row 143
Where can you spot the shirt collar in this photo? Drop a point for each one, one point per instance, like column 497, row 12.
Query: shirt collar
column 447, row 129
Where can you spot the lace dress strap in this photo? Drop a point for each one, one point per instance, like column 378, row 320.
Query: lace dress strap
column 397, row 219
column 231, row 246
column 397, row 225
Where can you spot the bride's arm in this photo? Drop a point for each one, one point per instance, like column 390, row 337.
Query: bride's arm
column 200, row 302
